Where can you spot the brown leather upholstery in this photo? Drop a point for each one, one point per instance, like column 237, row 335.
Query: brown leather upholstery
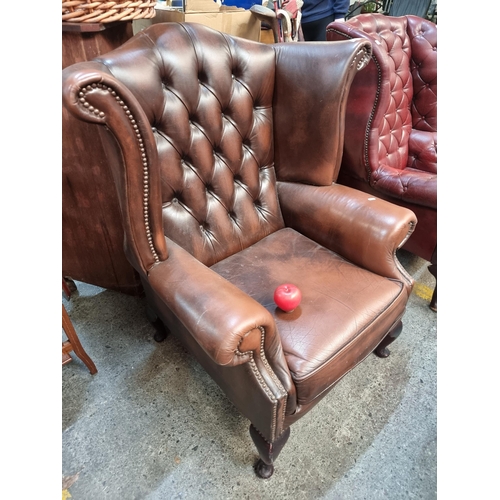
column 391, row 124
column 224, row 163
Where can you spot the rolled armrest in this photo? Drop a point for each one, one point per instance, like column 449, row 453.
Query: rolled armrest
column 361, row 228
column 422, row 151
column 226, row 323
column 92, row 94
column 409, row 185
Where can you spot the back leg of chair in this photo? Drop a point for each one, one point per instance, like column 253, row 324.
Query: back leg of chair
column 381, row 351
column 73, row 343
column 434, row 301
column 268, row 452
column 434, row 271
column 161, row 330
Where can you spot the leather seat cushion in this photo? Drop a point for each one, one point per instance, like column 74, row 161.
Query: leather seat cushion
column 354, row 308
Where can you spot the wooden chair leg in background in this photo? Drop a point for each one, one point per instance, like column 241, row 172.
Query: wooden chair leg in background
column 68, row 286
column 66, row 289
column 73, row 344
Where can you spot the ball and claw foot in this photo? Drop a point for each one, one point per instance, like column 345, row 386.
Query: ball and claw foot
column 263, row 470
column 268, row 451
column 382, row 352
column 160, row 336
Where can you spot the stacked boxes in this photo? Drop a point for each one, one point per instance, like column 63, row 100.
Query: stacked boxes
column 231, row 20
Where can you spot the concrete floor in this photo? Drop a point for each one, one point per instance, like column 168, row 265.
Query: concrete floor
column 152, row 425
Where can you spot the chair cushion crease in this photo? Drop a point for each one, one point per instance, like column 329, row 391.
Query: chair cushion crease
column 343, row 310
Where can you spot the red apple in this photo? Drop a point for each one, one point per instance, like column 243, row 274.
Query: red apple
column 287, row 297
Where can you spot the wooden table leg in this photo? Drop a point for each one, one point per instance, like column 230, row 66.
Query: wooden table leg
column 66, row 289
column 73, row 344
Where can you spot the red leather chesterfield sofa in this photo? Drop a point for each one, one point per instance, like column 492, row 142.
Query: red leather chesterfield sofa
column 390, row 147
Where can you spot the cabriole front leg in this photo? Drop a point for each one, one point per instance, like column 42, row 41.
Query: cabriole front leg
column 381, row 351
column 268, row 452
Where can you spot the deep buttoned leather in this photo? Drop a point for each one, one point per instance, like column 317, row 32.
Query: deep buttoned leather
column 405, row 55
column 224, row 151
column 390, row 147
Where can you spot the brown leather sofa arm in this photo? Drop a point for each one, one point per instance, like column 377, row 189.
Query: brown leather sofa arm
column 199, row 297
column 361, row 228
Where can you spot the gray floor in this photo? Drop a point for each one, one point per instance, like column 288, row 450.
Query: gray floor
column 152, row 425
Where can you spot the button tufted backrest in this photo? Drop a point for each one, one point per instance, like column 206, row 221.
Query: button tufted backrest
column 423, row 67
column 211, row 114
column 392, row 52
column 199, row 126
column 404, row 50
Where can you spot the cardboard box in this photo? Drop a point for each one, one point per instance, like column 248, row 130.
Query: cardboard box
column 200, row 6
column 231, row 20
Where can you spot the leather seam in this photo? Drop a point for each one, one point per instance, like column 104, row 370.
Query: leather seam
column 262, row 382
column 375, row 104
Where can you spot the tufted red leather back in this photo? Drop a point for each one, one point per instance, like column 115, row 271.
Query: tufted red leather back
column 390, row 147
column 423, row 66
column 405, row 48
column 211, row 113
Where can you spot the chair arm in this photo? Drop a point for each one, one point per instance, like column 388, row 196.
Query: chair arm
column 410, row 185
column 422, row 151
column 242, row 348
column 361, row 228
column 227, row 323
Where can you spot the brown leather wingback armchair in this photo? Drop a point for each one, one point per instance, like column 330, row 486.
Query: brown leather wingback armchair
column 390, row 147
column 222, row 155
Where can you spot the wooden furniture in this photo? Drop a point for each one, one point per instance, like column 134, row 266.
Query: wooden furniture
column 73, row 344
column 92, row 249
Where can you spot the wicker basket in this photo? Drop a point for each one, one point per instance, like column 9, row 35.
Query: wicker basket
column 88, row 11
